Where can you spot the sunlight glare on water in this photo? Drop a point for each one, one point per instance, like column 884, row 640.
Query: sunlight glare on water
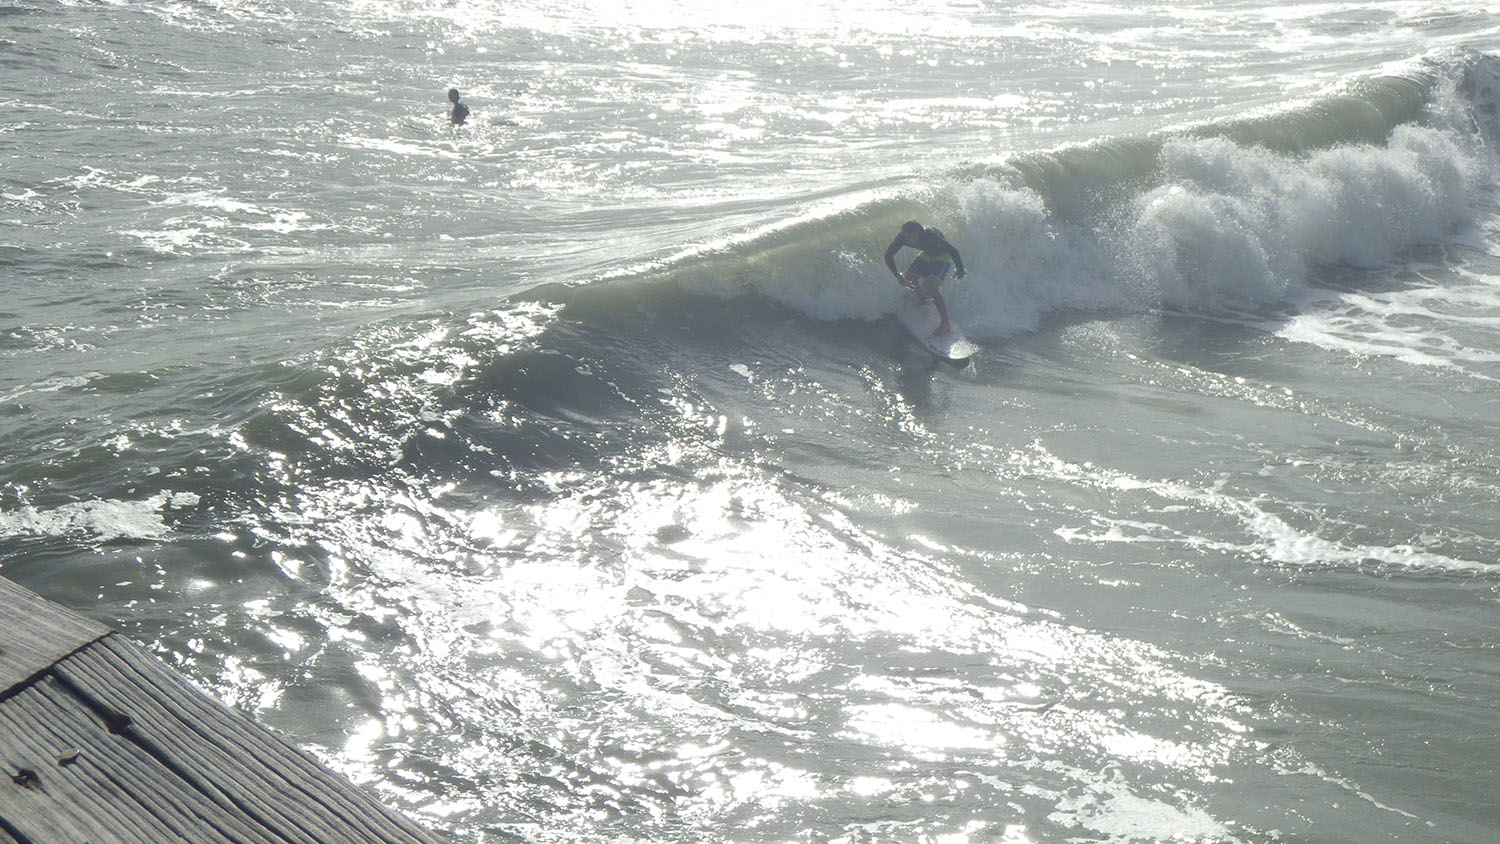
column 565, row 475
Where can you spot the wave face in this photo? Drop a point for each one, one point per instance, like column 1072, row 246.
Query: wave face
column 1210, row 217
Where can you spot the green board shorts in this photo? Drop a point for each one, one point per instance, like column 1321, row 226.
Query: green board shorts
column 931, row 267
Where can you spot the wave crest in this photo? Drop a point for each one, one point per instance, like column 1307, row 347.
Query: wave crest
column 1216, row 216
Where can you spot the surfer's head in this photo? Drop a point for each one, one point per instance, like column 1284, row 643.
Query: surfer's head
column 911, row 231
column 452, row 95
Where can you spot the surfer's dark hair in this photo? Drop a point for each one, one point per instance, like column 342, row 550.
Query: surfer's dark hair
column 911, row 227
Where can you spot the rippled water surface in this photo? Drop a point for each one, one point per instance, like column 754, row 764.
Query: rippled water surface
column 565, row 476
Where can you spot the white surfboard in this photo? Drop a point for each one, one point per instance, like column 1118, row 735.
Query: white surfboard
column 922, row 320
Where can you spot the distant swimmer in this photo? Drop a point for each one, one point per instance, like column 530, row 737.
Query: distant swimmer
column 460, row 111
column 926, row 272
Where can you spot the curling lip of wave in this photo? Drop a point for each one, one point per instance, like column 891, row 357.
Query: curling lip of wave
column 1214, row 216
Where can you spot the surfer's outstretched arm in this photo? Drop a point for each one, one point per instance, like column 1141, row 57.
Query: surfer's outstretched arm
column 890, row 261
column 890, row 258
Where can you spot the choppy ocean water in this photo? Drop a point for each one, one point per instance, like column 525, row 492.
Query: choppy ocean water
column 563, row 476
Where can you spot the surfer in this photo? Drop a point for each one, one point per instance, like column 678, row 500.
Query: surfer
column 926, row 272
column 460, row 111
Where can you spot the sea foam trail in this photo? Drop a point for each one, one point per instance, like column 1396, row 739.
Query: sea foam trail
column 1209, row 217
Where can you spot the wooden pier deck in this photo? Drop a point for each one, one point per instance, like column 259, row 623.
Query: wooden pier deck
column 101, row 743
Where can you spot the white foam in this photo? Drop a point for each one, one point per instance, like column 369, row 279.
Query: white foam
column 49, row 385
column 1114, row 812
column 1268, row 536
column 1412, row 326
column 1228, row 227
column 1220, row 226
column 1236, row 226
column 104, row 520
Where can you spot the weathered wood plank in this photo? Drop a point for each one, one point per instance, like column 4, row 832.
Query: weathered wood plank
column 224, row 756
column 101, row 743
column 68, row 778
column 179, row 746
column 34, row 633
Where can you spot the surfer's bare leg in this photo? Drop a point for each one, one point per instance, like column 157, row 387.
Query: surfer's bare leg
column 942, row 307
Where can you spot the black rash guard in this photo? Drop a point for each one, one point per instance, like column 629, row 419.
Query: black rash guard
column 934, row 247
